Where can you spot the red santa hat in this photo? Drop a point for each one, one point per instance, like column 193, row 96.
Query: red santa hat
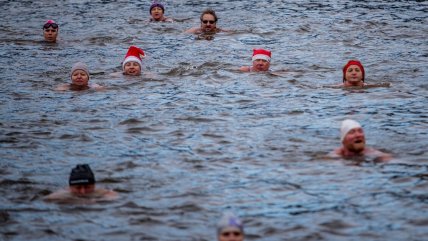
column 134, row 54
column 261, row 54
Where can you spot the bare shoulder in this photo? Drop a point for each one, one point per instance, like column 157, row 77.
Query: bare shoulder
column 378, row 155
column 169, row 20
column 193, row 30
column 106, row 195
column 62, row 87
column 245, row 69
column 384, row 84
column 97, row 87
column 58, row 196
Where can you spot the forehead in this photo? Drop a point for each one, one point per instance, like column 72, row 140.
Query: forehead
column 208, row 16
column 230, row 229
column 82, row 186
column 79, row 71
column 132, row 63
column 353, row 66
column 357, row 129
column 157, row 8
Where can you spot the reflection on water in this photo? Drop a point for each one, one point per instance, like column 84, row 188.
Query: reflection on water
column 198, row 137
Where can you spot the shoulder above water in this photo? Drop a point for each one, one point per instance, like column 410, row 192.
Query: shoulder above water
column 341, row 86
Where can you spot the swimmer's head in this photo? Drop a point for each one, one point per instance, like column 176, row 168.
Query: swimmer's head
column 157, row 4
column 348, row 125
column 50, row 31
column 132, row 63
column 355, row 63
column 261, row 59
column 81, row 175
column 352, row 136
column 79, row 74
column 230, row 225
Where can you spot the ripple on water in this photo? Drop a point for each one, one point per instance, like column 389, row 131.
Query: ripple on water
column 198, row 137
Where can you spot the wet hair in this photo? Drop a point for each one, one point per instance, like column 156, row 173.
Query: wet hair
column 211, row 12
column 81, row 175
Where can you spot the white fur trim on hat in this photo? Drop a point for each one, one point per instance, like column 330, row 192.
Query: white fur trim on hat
column 131, row 58
column 348, row 125
column 261, row 56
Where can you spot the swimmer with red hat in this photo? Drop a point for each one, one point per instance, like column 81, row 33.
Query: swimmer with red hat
column 354, row 76
column 132, row 63
column 261, row 61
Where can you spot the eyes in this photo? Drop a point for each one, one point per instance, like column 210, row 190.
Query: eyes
column 50, row 30
column 208, row 21
column 83, row 74
column 134, row 64
column 261, row 60
column 354, row 69
column 357, row 130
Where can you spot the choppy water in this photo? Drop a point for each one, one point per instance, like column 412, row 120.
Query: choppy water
column 198, row 137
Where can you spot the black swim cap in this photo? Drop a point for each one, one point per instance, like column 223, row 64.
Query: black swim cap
column 81, row 174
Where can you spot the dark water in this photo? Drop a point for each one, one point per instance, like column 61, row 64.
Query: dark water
column 198, row 138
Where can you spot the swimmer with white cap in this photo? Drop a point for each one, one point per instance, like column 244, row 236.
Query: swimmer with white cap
column 354, row 143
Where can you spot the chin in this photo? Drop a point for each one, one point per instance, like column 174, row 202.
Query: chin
column 358, row 147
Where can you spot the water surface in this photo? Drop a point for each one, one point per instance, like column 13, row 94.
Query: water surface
column 198, row 137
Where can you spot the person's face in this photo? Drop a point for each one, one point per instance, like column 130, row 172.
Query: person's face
column 132, row 68
column 261, row 65
column 157, row 13
column 50, row 34
column 82, row 190
column 231, row 235
column 80, row 78
column 355, row 140
column 353, row 75
column 208, row 23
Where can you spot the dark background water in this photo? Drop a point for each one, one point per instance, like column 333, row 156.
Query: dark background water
column 198, row 137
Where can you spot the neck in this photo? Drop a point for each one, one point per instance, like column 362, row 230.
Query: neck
column 78, row 87
column 349, row 153
column 349, row 83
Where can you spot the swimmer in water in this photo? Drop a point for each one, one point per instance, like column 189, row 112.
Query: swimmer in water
column 79, row 79
column 50, row 31
column 132, row 63
column 354, row 143
column 354, row 76
column 230, row 228
column 208, row 26
column 157, row 11
column 261, row 61
column 81, row 188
